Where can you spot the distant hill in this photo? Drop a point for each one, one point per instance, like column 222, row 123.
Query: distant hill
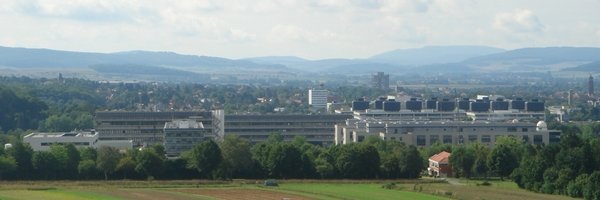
column 447, row 59
column 590, row 67
column 46, row 58
column 148, row 72
column 363, row 67
column 535, row 59
column 547, row 55
column 276, row 59
column 433, row 55
column 446, row 68
column 442, row 59
column 139, row 70
column 305, row 64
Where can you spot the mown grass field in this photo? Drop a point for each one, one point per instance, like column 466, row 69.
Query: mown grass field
column 354, row 191
column 242, row 190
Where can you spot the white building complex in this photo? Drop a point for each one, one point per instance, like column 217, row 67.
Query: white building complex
column 317, row 98
column 43, row 141
column 426, row 133
column 423, row 123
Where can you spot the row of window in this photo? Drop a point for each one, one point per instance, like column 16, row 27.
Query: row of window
column 63, row 143
column 309, row 124
column 412, row 129
column 448, row 139
column 297, row 129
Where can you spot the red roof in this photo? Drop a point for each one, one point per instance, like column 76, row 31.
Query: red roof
column 441, row 157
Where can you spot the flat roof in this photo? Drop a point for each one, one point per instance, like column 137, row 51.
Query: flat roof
column 59, row 134
column 184, row 124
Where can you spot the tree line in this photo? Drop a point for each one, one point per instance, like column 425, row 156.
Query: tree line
column 571, row 167
column 233, row 157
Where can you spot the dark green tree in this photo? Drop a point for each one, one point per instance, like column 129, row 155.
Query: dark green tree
column 20, row 111
column 369, row 160
column 480, row 163
column 576, row 187
column 204, row 157
column 550, row 176
column 58, row 123
column 107, row 160
column 149, row 163
column 324, row 165
column 347, row 161
column 73, row 160
column 45, row 164
column 411, row 163
column 88, row 153
column 60, row 154
column 502, row 161
column 284, row 160
column 126, row 165
column 590, row 190
column 7, row 165
column 237, row 158
column 462, row 160
column 22, row 153
column 87, row 168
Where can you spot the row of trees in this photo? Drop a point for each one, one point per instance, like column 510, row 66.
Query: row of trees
column 569, row 168
column 231, row 158
column 236, row 158
column 478, row 160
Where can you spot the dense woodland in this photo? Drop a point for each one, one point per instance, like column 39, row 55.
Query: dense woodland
column 570, row 168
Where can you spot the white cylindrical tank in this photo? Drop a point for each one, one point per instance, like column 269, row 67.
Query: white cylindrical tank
column 542, row 126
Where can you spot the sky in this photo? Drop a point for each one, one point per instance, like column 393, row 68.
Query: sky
column 313, row 29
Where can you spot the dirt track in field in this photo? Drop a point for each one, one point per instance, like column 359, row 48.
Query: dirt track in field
column 243, row 194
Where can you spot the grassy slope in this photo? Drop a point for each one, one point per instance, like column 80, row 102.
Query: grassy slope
column 498, row 190
column 353, row 191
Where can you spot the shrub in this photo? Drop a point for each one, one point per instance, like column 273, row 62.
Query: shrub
column 485, row 183
column 389, row 186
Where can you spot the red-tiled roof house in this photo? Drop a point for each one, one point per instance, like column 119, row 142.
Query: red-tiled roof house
column 439, row 166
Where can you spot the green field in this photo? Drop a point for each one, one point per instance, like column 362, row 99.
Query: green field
column 294, row 189
column 353, row 191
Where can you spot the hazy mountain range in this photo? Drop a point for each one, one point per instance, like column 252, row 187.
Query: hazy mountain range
column 446, row 59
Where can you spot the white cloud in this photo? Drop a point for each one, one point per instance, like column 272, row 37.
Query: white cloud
column 292, row 33
column 84, row 10
column 204, row 27
column 309, row 28
column 518, row 21
column 399, row 6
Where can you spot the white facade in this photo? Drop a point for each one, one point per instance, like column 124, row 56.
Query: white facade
column 318, row 98
column 43, row 141
column 182, row 135
column 426, row 133
column 507, row 115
